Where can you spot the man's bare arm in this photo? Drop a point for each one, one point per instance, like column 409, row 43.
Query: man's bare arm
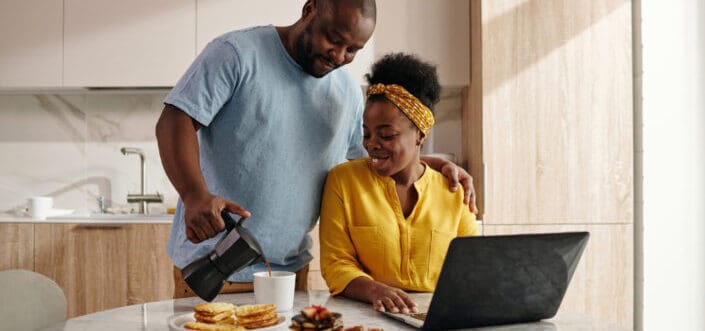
column 178, row 149
column 455, row 175
column 179, row 152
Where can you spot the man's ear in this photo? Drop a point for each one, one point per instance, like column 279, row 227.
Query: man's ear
column 309, row 9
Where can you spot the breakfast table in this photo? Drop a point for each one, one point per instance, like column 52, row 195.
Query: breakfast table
column 160, row 314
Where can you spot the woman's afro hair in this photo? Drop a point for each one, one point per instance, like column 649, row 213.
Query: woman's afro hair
column 416, row 76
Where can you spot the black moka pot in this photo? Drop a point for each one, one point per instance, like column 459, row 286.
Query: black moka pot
column 236, row 250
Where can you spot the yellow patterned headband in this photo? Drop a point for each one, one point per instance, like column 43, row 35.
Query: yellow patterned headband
column 416, row 111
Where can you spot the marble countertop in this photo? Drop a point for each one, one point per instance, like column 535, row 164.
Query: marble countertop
column 154, row 315
column 95, row 219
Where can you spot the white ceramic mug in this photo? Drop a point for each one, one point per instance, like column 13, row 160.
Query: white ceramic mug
column 278, row 289
column 39, row 207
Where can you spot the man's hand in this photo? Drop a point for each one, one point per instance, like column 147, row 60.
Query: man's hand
column 202, row 215
column 179, row 150
column 455, row 175
column 391, row 299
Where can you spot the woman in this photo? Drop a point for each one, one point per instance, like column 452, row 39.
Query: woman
column 387, row 220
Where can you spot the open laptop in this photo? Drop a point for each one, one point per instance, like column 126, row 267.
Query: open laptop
column 495, row 280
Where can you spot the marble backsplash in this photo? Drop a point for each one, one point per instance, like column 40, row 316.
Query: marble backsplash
column 68, row 146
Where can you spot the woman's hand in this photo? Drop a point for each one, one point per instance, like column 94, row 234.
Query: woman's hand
column 391, row 299
column 382, row 297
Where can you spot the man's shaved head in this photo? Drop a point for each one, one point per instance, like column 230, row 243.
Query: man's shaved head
column 330, row 33
column 368, row 8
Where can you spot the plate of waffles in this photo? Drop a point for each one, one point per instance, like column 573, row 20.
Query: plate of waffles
column 219, row 316
column 178, row 323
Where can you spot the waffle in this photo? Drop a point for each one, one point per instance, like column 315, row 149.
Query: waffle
column 253, row 310
column 213, row 308
column 267, row 315
column 213, row 318
column 200, row 326
column 256, row 316
column 261, row 323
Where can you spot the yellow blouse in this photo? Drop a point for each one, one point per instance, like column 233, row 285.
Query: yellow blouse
column 363, row 231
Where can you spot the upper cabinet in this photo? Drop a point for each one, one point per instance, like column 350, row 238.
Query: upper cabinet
column 130, row 43
column 30, row 43
column 127, row 43
column 215, row 17
column 550, row 111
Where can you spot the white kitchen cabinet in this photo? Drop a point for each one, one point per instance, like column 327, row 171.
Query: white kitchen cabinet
column 30, row 43
column 216, row 17
column 127, row 43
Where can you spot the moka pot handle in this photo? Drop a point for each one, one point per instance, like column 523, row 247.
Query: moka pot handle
column 230, row 223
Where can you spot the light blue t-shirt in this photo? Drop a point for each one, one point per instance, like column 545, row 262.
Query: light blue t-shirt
column 271, row 133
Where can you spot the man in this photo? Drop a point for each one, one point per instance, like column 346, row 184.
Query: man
column 259, row 118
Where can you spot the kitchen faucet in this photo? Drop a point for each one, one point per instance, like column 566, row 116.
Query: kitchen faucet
column 141, row 198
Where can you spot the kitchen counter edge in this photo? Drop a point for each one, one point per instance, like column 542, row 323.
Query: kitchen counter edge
column 137, row 219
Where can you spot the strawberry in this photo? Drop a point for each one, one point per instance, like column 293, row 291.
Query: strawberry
column 309, row 312
column 323, row 313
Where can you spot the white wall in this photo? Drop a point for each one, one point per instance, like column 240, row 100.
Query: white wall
column 438, row 31
column 673, row 36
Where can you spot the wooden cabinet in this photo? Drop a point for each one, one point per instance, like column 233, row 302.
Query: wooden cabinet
column 549, row 111
column 127, row 43
column 105, row 267
column 89, row 263
column 547, row 132
column 30, row 43
column 149, row 269
column 315, row 279
column 602, row 283
column 16, row 246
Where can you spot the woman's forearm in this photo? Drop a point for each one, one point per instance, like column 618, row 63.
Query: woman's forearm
column 359, row 289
